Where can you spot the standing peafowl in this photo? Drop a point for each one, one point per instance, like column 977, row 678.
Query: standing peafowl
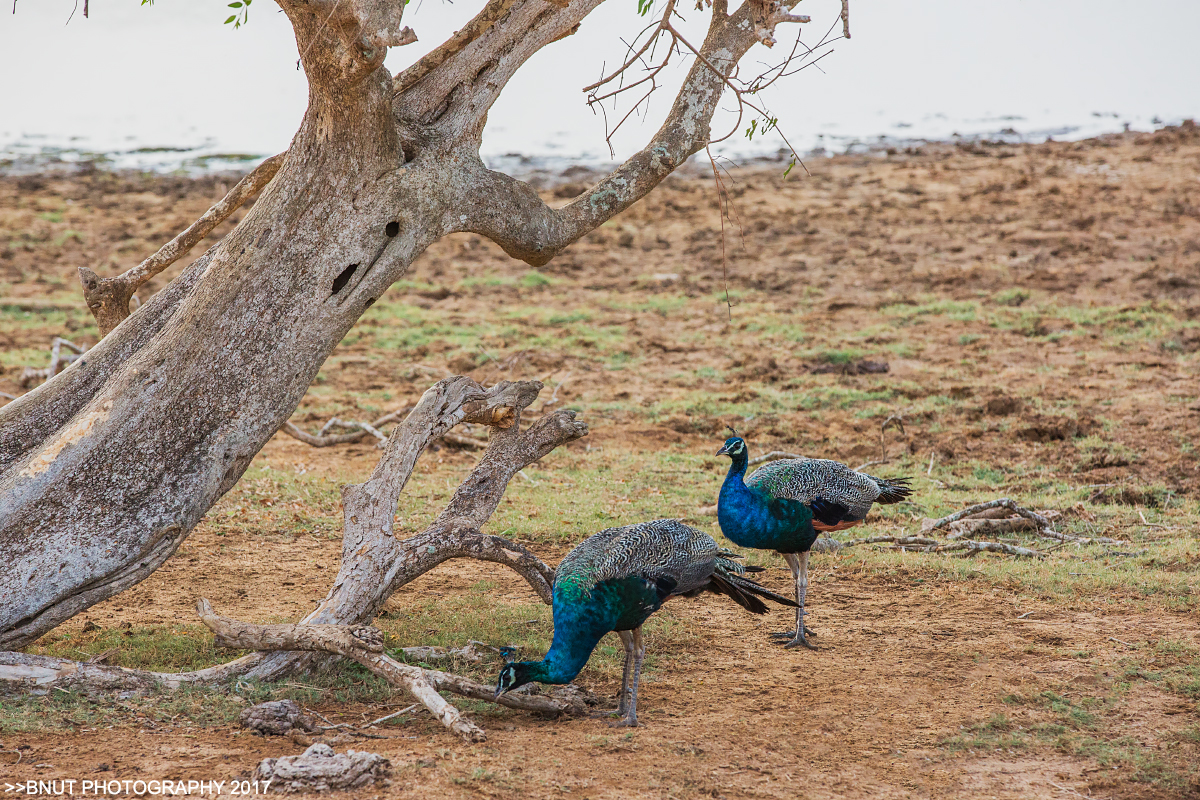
column 614, row 581
column 785, row 503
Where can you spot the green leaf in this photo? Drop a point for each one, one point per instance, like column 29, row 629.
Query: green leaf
column 644, row 7
column 235, row 5
column 231, row 19
column 789, row 168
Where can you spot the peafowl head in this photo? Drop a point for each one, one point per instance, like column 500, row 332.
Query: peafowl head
column 514, row 674
column 734, row 446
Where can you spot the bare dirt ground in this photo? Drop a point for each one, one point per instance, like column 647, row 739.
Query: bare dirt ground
column 1038, row 308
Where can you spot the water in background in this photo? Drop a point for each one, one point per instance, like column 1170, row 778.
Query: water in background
column 167, row 87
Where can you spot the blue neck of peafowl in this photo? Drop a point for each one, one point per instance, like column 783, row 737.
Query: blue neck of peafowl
column 577, row 631
column 751, row 518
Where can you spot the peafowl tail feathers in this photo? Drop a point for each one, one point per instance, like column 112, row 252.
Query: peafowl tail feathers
column 892, row 490
column 743, row 591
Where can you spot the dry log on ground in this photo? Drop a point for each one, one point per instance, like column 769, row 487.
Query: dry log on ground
column 978, row 528
column 1041, row 523
column 318, row 769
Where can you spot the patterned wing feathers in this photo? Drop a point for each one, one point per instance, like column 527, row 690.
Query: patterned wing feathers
column 663, row 548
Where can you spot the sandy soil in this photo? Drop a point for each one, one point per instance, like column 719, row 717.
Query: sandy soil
column 905, row 663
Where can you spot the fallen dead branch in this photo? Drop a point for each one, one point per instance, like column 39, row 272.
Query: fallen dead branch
column 997, row 516
column 364, row 644
column 358, row 429
column 31, row 376
column 974, row 548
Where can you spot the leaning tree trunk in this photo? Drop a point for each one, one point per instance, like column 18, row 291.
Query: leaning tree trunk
column 106, row 468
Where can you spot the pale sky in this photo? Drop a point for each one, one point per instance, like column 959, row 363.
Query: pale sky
column 173, row 75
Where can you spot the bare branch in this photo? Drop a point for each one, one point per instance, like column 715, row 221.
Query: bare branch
column 774, row 455
column 514, row 216
column 108, row 298
column 446, row 99
column 489, row 16
column 33, row 375
column 365, row 645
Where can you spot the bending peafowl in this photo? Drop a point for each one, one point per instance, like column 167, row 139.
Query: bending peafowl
column 785, row 503
column 614, row 581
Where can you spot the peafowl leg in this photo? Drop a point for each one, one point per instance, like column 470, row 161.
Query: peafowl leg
column 623, row 700
column 639, row 652
column 796, row 638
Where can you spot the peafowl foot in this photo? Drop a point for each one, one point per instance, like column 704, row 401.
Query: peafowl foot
column 799, row 641
column 628, row 721
column 792, row 634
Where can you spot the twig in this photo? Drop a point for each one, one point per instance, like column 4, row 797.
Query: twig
column 871, row 464
column 399, row 713
column 329, row 724
column 932, row 455
column 893, row 421
column 30, row 374
column 907, row 541
column 1121, row 641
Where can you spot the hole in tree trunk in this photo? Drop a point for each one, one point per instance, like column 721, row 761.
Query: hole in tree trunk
column 392, row 228
column 341, row 280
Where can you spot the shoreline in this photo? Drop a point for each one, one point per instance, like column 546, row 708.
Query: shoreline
column 543, row 170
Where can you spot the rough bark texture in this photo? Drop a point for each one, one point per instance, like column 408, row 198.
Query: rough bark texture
column 318, row 769
column 106, row 467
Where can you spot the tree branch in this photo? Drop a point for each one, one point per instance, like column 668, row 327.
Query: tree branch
column 108, row 298
column 445, row 97
column 489, row 16
column 511, row 214
column 365, row 645
column 375, row 563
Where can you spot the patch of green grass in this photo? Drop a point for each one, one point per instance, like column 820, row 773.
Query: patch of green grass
column 163, row 648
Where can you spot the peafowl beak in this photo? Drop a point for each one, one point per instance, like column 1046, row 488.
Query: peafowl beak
column 499, row 691
column 724, row 451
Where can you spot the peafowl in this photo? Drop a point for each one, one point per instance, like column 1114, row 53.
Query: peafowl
column 785, row 503
column 614, row 581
